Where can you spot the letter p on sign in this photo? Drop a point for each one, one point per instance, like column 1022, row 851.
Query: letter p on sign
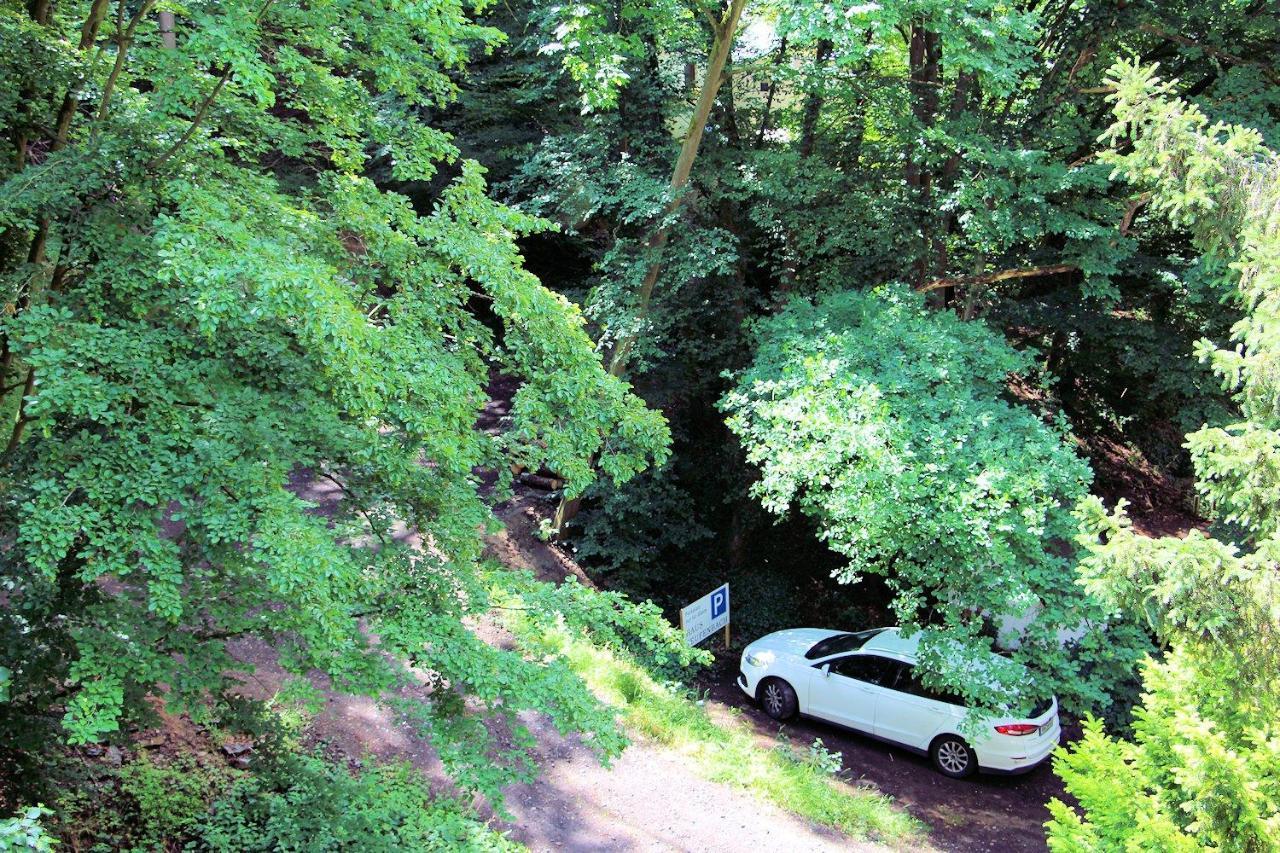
column 720, row 602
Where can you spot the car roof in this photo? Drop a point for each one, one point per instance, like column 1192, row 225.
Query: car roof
column 891, row 642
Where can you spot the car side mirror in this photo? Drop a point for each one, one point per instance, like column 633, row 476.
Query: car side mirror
column 826, row 670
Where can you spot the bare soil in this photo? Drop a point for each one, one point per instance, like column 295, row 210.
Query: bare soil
column 648, row 800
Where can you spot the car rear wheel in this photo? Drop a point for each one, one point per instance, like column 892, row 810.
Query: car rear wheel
column 778, row 699
column 953, row 757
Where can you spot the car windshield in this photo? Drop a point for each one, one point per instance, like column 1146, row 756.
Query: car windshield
column 841, row 643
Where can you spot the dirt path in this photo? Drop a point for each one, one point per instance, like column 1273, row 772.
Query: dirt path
column 649, row 800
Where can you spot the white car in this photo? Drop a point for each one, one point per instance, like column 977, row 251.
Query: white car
column 866, row 681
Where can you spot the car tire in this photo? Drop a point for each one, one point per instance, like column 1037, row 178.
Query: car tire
column 952, row 757
column 778, row 699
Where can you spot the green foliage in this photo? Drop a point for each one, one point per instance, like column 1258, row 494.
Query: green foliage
column 590, row 185
column 630, row 528
column 309, row 804
column 1203, row 771
column 610, row 619
column 887, row 424
column 826, row 760
column 288, row 798
column 597, row 43
column 217, row 306
column 170, row 800
column 26, row 831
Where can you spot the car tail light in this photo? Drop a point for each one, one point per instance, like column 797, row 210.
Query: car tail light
column 1018, row 729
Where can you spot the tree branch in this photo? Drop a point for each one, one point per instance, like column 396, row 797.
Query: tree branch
column 21, row 424
column 1269, row 72
column 196, row 121
column 124, row 38
column 991, row 278
column 198, row 118
column 1134, row 206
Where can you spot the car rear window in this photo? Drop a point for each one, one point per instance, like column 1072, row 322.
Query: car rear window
column 841, row 643
column 1042, row 707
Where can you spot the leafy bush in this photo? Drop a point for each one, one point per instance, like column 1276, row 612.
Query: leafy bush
column 888, row 425
column 309, row 804
column 827, row 760
column 170, row 799
column 26, row 832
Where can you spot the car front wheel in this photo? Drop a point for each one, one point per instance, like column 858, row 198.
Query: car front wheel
column 778, row 699
column 953, row 757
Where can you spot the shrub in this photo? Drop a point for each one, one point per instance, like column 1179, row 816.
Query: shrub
column 26, row 832
column 309, row 804
column 889, row 425
column 170, row 799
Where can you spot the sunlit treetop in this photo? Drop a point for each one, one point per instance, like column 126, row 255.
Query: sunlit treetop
column 215, row 291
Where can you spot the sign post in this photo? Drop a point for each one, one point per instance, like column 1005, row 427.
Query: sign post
column 706, row 616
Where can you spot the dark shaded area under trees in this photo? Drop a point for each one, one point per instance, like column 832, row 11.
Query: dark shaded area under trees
column 951, row 149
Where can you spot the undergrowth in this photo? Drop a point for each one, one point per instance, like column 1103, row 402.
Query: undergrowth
column 290, row 798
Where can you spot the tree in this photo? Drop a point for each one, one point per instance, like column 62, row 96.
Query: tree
column 801, row 187
column 597, row 68
column 207, row 299
column 885, row 422
column 1203, row 770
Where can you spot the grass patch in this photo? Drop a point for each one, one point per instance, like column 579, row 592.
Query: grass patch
column 799, row 780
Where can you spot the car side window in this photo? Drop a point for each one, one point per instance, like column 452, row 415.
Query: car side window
column 872, row 669
column 908, row 682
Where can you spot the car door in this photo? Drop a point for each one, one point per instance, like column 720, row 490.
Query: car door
column 909, row 713
column 844, row 690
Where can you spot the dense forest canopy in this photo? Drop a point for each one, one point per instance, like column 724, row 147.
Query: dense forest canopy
column 212, row 285
column 954, row 315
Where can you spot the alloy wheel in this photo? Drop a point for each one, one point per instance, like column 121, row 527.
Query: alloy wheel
column 953, row 756
column 773, row 698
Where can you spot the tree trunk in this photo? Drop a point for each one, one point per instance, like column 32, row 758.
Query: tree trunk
column 924, row 64
column 767, row 115
column 729, row 110
column 813, row 105
column 721, row 46
column 167, row 36
column 40, row 11
column 965, row 91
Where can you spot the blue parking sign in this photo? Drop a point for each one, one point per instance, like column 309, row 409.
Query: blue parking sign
column 705, row 616
column 720, row 602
